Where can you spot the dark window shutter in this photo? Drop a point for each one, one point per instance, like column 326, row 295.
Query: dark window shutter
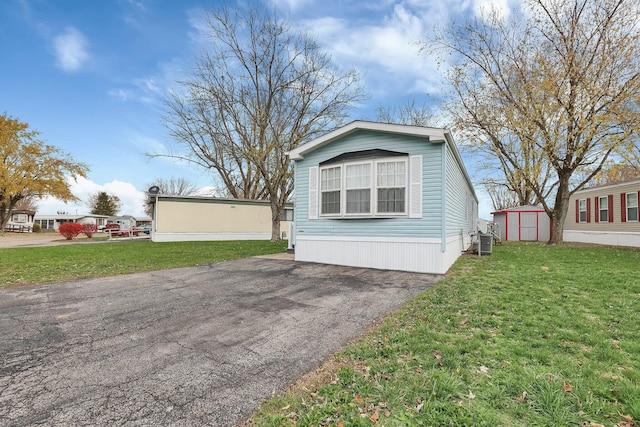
column 588, row 210
column 596, row 201
column 577, row 211
column 623, row 207
column 610, row 207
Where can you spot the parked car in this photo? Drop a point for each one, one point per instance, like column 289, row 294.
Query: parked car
column 117, row 230
column 146, row 229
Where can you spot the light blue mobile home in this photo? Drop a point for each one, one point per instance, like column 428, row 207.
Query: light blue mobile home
column 383, row 196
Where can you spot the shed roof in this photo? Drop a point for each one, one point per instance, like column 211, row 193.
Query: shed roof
column 526, row 208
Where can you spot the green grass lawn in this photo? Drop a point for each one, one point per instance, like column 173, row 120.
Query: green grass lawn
column 19, row 266
column 533, row 335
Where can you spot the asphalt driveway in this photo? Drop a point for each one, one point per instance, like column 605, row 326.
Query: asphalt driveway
column 198, row 346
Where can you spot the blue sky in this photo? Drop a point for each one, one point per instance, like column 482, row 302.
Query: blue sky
column 91, row 75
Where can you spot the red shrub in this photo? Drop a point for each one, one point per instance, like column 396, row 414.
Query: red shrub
column 70, row 230
column 89, row 229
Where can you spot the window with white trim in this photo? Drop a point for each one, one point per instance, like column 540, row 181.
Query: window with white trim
column 603, row 209
column 632, row 206
column 330, row 186
column 582, row 210
column 358, row 188
column 19, row 218
column 375, row 187
column 391, row 186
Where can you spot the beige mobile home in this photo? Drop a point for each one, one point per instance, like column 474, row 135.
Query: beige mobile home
column 606, row 215
column 191, row 218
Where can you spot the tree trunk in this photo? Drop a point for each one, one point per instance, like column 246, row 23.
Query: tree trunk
column 276, row 211
column 560, row 209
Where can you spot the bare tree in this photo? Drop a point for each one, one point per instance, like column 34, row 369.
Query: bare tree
column 170, row 186
column 260, row 91
column 502, row 197
column 548, row 92
column 407, row 114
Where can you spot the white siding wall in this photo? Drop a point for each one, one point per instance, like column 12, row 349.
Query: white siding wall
column 631, row 239
column 405, row 254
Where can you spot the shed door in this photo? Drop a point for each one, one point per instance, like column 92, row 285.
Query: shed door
column 529, row 226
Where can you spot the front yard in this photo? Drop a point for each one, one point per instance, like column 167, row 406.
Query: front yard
column 22, row 266
column 530, row 336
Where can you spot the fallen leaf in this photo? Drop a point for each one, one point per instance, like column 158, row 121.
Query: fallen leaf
column 627, row 418
column 359, row 399
column 374, row 418
column 340, row 424
column 387, row 413
column 567, row 387
column 471, row 395
column 419, row 407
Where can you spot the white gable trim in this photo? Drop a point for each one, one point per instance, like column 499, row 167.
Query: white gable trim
column 433, row 135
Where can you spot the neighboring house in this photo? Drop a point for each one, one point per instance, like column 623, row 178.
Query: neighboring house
column 523, row 223
column 21, row 220
column 125, row 221
column 383, row 196
column 606, row 215
column 191, row 218
column 52, row 222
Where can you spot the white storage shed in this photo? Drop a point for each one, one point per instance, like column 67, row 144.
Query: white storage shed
column 523, row 223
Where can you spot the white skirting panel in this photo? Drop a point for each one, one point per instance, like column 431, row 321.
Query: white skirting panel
column 407, row 254
column 631, row 239
column 193, row 237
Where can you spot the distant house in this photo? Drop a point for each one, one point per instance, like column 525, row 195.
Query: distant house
column 606, row 215
column 193, row 218
column 125, row 221
column 523, row 223
column 383, row 196
column 20, row 220
column 52, row 222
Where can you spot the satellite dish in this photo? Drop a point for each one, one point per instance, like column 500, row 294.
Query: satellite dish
column 154, row 190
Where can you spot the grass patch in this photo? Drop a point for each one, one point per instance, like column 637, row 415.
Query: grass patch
column 21, row 266
column 531, row 336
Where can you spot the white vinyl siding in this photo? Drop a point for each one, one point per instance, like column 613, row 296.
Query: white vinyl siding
column 313, row 192
column 415, row 186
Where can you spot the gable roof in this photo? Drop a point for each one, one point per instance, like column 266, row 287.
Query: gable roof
column 434, row 135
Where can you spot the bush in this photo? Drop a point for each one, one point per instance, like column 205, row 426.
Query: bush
column 36, row 228
column 70, row 230
column 89, row 229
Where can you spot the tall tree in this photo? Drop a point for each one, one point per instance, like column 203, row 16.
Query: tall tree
column 262, row 89
column 548, row 92
column 102, row 203
column 170, row 186
column 30, row 168
column 407, row 114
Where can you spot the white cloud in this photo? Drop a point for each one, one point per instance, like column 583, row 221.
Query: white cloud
column 131, row 198
column 385, row 51
column 71, row 50
column 484, row 8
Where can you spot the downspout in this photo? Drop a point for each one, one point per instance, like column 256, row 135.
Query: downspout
column 443, row 199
